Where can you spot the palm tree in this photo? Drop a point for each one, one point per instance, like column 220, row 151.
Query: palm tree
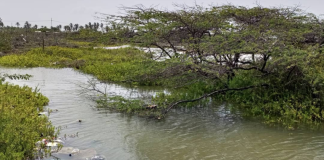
column 107, row 29
column 98, row 25
column 90, row 25
column 1, row 23
column 102, row 27
column 67, row 28
column 27, row 25
column 76, row 27
column 17, row 24
column 59, row 27
column 94, row 26
column 35, row 26
column 71, row 26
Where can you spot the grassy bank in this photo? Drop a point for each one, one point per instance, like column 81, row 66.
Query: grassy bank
column 125, row 65
column 20, row 125
column 291, row 96
column 119, row 65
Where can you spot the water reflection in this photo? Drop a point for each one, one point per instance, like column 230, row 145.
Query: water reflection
column 214, row 132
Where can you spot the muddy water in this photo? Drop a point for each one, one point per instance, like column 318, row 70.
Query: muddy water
column 201, row 133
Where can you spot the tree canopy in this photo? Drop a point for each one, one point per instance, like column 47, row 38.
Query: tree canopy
column 235, row 46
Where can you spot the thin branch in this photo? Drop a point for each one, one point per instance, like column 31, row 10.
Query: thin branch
column 166, row 52
column 212, row 93
column 256, row 68
column 288, row 76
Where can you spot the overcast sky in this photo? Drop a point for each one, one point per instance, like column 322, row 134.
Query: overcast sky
column 83, row 11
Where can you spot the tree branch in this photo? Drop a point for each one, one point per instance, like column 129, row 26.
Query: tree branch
column 256, row 68
column 210, row 94
column 163, row 50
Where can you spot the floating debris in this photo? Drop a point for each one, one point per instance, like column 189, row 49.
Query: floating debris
column 43, row 114
column 71, row 153
column 52, row 144
column 97, row 157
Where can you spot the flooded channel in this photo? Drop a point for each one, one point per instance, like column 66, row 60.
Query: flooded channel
column 200, row 133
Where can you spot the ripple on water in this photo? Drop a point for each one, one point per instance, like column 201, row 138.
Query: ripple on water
column 209, row 133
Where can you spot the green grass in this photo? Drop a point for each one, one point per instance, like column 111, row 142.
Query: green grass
column 118, row 65
column 278, row 103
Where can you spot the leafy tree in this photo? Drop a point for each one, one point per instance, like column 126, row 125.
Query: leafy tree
column 44, row 29
column 5, row 42
column 267, row 51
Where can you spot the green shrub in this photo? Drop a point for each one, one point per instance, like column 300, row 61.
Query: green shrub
column 20, row 125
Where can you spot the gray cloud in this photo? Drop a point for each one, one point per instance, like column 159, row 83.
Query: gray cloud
column 83, row 11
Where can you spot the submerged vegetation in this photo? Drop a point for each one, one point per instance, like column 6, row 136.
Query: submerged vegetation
column 267, row 61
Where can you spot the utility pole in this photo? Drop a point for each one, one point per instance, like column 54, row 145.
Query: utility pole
column 44, row 41
column 53, row 34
